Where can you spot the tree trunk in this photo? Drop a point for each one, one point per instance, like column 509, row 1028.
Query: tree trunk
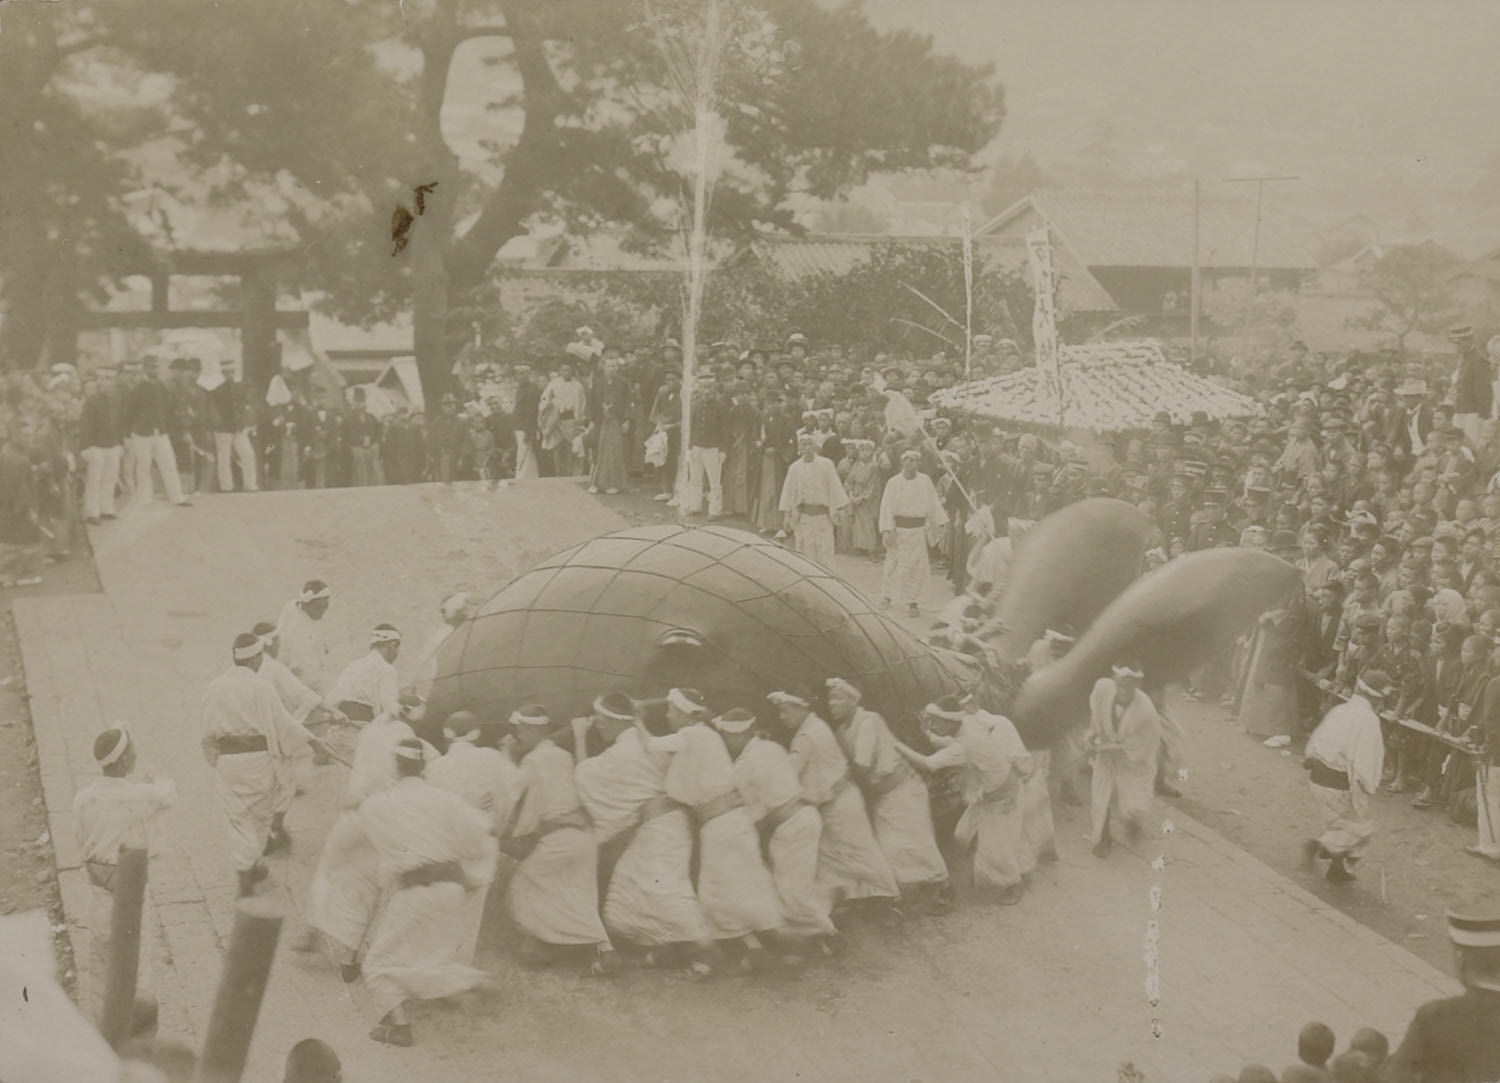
column 515, row 197
column 431, row 233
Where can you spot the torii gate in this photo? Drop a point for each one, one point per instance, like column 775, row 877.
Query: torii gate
column 258, row 319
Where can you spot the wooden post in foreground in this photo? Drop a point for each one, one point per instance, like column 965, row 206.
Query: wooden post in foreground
column 247, row 966
column 124, row 947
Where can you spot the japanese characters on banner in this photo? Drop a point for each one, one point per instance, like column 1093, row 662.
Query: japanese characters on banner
column 1044, row 318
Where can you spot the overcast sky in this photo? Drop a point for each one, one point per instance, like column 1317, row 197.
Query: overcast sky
column 1361, row 98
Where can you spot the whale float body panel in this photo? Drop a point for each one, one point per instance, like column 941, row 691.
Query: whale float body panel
column 1069, row 567
column 1171, row 620
column 646, row 608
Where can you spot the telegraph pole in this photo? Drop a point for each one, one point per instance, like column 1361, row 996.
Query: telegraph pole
column 1260, row 188
column 1193, row 295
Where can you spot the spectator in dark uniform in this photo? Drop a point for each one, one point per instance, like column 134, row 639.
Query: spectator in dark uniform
column 362, row 435
column 101, row 437
column 148, row 421
column 1473, row 384
column 1457, row 1038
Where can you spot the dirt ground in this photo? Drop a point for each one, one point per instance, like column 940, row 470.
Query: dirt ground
column 1258, row 799
column 28, row 869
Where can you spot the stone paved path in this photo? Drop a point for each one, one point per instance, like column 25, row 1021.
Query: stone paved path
column 1052, row 989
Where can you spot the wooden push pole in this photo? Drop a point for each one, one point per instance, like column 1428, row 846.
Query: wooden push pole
column 124, row 946
column 247, row 966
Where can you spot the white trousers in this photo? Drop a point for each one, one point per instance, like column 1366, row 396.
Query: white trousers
column 704, row 463
column 156, row 449
column 1487, row 797
column 239, row 442
column 101, row 477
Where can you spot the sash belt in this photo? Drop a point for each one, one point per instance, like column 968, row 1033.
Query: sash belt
column 658, row 806
column 357, row 712
column 237, row 746
column 443, row 872
column 1323, row 775
column 837, row 790
column 885, row 784
column 783, row 812
column 718, row 806
column 577, row 818
column 911, row 522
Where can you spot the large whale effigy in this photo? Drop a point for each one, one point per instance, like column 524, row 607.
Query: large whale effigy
column 647, row 608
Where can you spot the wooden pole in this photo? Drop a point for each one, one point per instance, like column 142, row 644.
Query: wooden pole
column 1260, row 191
column 247, row 966
column 1193, row 298
column 124, row 946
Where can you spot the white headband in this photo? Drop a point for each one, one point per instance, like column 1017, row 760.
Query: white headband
column 385, row 635
column 270, row 637
column 114, row 754
column 725, row 724
column 406, row 752
column 837, row 684
column 1055, row 636
column 788, row 697
column 250, row 650
column 471, row 736
column 1128, row 671
column 601, row 709
column 932, row 710
column 1361, row 687
column 677, row 699
column 309, row 596
column 521, row 718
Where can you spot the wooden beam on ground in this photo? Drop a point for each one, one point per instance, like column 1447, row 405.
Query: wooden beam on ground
column 247, row 967
column 124, row 947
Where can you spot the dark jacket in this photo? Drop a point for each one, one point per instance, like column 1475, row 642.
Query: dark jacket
column 710, row 421
column 1449, row 1041
column 148, row 408
column 99, row 424
column 1473, row 388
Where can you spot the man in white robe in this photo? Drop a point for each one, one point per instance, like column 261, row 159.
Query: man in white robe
column 306, row 709
column 910, row 512
column 435, row 852
column 993, row 764
column 554, row 892
column 118, row 810
column 649, row 900
column 735, row 889
column 560, row 416
column 899, row 805
column 1061, row 760
column 851, row 865
column 249, row 740
column 810, row 498
column 303, row 637
column 344, row 896
column 369, row 688
column 454, row 610
column 1345, row 757
column 768, row 785
column 1123, row 740
column 484, row 777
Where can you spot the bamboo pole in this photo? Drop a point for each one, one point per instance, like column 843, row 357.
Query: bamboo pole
column 247, row 966
column 124, row 946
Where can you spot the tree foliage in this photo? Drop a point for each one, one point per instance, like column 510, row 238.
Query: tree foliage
column 905, row 299
column 336, row 108
column 1413, row 286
